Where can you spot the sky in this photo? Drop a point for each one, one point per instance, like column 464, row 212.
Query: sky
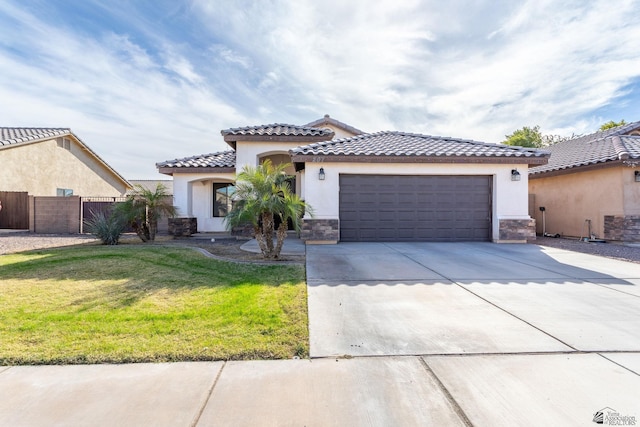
column 144, row 81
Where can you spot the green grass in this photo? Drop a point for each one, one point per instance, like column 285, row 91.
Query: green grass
column 101, row 304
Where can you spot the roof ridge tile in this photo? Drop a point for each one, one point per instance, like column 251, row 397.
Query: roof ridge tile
column 620, row 148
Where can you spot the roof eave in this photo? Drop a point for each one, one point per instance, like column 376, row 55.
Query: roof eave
column 173, row 170
column 577, row 169
column 100, row 160
column 310, row 158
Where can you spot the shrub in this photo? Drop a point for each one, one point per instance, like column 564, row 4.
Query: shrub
column 105, row 227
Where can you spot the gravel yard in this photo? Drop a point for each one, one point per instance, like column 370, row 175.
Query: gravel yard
column 609, row 250
column 18, row 242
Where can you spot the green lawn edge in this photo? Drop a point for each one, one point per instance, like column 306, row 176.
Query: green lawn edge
column 147, row 303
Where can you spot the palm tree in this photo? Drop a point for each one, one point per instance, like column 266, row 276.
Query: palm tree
column 142, row 209
column 262, row 194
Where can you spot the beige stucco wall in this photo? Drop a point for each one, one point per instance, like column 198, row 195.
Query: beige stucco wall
column 573, row 198
column 631, row 191
column 42, row 167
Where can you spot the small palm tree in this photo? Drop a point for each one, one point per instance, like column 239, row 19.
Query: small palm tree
column 262, row 194
column 142, row 209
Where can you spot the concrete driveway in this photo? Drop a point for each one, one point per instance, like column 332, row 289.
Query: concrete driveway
column 468, row 298
column 496, row 325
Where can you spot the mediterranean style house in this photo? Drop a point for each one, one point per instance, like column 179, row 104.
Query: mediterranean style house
column 54, row 162
column 591, row 186
column 384, row 186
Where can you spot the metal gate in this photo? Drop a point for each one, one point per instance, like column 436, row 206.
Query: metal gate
column 92, row 206
column 15, row 210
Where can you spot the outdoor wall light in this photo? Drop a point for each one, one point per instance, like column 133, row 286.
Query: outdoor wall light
column 637, row 176
column 321, row 174
column 515, row 175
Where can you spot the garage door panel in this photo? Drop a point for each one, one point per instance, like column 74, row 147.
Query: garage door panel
column 405, row 208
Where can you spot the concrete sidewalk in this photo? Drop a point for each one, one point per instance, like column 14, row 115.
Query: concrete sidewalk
column 371, row 391
column 490, row 390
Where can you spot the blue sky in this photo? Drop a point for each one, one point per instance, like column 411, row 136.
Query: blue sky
column 143, row 81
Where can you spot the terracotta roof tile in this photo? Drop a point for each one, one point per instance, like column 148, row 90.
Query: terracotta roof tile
column 392, row 143
column 9, row 136
column 223, row 159
column 277, row 129
column 598, row 147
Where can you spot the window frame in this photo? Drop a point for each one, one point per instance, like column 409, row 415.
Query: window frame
column 227, row 203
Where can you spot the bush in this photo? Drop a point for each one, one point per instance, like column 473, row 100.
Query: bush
column 105, row 227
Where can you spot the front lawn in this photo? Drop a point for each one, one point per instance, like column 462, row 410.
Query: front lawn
column 101, row 304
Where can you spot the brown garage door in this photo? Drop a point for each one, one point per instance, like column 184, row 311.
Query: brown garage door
column 376, row 208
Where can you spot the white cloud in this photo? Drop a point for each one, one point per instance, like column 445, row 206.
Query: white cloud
column 476, row 70
column 142, row 92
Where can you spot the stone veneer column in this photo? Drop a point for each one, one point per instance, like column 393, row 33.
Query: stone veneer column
column 517, row 230
column 183, row 227
column 320, row 231
column 624, row 228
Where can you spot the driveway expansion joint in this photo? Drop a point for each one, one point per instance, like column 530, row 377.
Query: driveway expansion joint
column 196, row 420
column 616, row 363
column 475, row 354
column 452, row 401
column 613, row 289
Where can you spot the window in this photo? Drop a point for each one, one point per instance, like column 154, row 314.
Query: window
column 222, row 194
column 64, row 192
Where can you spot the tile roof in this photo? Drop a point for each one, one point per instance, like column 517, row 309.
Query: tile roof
column 598, row 147
column 277, row 129
column 327, row 120
column 223, row 159
column 401, row 144
column 10, row 136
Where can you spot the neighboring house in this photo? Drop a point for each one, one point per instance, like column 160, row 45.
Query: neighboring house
column 591, row 179
column 386, row 186
column 54, row 162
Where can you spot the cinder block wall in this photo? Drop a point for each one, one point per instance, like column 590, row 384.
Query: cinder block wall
column 54, row 215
